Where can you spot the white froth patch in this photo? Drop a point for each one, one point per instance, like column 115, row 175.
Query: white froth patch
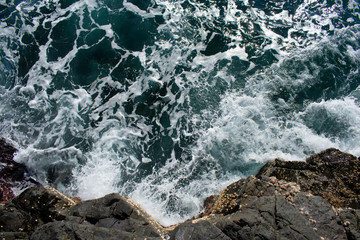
column 248, row 129
column 347, row 111
column 135, row 9
column 170, row 204
column 97, row 178
column 41, row 159
column 102, row 168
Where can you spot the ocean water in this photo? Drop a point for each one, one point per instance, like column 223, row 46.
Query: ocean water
column 169, row 101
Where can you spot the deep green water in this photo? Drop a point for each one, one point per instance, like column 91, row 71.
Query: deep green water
column 169, row 101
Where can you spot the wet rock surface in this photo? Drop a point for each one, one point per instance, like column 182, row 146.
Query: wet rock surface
column 315, row 199
column 12, row 174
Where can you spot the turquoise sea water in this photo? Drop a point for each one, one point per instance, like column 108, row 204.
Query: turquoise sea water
column 169, row 101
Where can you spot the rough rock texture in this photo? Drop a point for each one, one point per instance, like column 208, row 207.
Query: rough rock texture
column 117, row 212
column 74, row 231
column 44, row 213
column 275, row 209
column 200, row 230
column 12, row 174
column 294, row 200
column 350, row 219
column 33, row 208
column 245, row 191
column 208, row 205
column 331, row 174
column 270, row 217
column 6, row 159
column 316, row 199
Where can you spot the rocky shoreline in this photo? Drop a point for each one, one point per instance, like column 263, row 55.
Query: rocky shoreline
column 315, row 199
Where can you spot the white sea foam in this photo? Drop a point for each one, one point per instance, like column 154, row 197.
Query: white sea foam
column 337, row 120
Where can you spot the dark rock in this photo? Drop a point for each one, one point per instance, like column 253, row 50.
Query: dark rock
column 140, row 228
column 245, row 191
column 51, row 215
column 331, row 174
column 208, row 205
column 6, row 150
column 32, row 208
column 269, row 217
column 321, row 215
column 350, row 219
column 12, row 219
column 6, row 162
column 12, row 174
column 286, row 200
column 200, row 230
column 290, row 223
column 43, row 205
column 117, row 212
column 247, row 224
column 93, row 210
column 6, row 193
column 13, row 236
column 74, row 231
column 122, row 209
column 111, row 205
column 290, row 200
column 111, row 223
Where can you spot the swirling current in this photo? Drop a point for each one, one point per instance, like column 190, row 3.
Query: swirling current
column 168, row 101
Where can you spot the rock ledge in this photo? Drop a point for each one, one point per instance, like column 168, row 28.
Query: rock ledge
column 315, row 199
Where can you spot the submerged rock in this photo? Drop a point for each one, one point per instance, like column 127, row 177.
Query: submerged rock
column 6, row 160
column 12, row 174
